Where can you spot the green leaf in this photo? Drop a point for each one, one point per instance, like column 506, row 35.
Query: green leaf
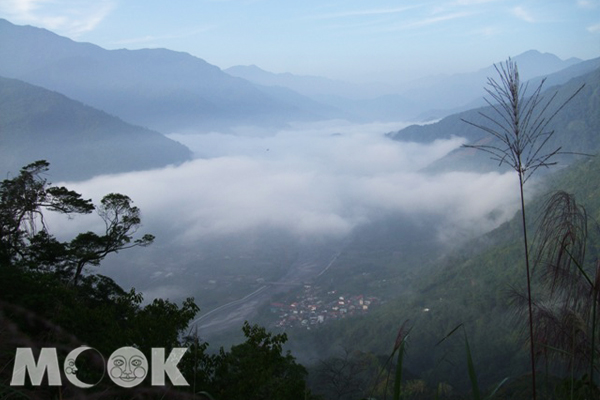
column 471, row 369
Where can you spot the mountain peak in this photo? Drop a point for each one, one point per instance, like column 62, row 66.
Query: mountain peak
column 534, row 63
column 536, row 55
column 531, row 53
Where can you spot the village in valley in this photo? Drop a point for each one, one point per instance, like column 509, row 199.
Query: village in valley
column 313, row 306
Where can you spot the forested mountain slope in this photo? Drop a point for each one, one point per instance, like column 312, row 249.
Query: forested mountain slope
column 478, row 286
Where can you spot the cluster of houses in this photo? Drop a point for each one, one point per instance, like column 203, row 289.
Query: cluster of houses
column 313, row 307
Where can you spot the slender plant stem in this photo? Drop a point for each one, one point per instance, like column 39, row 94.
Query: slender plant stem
column 519, row 132
column 594, row 305
column 529, row 302
column 572, row 362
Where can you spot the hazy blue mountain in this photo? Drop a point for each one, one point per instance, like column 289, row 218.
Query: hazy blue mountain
column 158, row 88
column 565, row 75
column 576, row 126
column 312, row 109
column 453, row 91
column 428, row 98
column 436, row 97
column 78, row 141
column 385, row 108
column 533, row 63
column 556, row 78
column 359, row 102
column 312, row 86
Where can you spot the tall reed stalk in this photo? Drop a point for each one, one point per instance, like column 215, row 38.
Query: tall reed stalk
column 519, row 126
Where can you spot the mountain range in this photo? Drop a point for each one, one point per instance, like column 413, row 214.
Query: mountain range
column 161, row 89
column 175, row 92
column 426, row 98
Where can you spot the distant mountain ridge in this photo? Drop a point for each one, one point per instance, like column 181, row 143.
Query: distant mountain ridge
column 412, row 101
column 176, row 92
column 311, row 86
column 576, row 126
column 162, row 89
column 79, row 141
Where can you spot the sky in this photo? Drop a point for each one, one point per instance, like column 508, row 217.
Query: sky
column 360, row 41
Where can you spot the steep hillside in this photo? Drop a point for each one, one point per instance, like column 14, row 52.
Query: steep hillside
column 162, row 89
column 475, row 286
column 78, row 141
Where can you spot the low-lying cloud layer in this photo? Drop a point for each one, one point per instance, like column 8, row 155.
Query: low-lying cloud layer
column 311, row 180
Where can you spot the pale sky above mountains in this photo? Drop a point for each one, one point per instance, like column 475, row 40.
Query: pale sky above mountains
column 377, row 40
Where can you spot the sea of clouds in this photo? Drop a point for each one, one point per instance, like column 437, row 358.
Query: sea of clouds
column 313, row 180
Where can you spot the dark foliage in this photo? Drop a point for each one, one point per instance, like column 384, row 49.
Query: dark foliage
column 47, row 299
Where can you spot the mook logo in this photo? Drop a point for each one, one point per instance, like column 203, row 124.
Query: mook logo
column 126, row 367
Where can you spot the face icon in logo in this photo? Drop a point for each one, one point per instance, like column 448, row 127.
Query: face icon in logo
column 70, row 367
column 127, row 367
column 77, row 365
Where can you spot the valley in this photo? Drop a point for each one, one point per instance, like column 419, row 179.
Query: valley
column 230, row 316
column 337, row 215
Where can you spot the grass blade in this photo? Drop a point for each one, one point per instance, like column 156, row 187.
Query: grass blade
column 398, row 377
column 497, row 388
column 449, row 334
column 472, row 374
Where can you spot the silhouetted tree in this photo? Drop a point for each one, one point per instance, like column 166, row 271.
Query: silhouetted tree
column 258, row 369
column 121, row 220
column 23, row 200
column 25, row 241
